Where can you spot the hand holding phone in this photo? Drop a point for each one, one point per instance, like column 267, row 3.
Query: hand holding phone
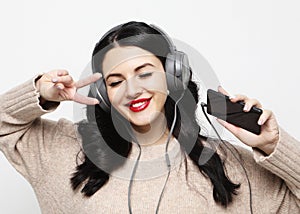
column 220, row 106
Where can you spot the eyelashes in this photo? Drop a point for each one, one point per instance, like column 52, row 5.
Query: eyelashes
column 141, row 76
column 113, row 84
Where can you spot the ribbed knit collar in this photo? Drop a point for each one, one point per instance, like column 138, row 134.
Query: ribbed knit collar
column 152, row 163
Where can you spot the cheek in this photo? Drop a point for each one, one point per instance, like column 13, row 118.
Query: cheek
column 157, row 84
column 160, row 102
column 115, row 95
column 112, row 96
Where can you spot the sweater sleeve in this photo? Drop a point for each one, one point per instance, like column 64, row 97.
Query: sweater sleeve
column 20, row 112
column 285, row 163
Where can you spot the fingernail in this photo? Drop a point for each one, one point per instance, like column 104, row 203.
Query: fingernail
column 260, row 121
column 54, row 79
column 246, row 108
column 59, row 87
column 231, row 97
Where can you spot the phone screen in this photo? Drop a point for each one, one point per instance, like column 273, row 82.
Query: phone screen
column 220, row 106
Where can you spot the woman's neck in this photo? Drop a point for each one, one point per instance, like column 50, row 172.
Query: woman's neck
column 154, row 133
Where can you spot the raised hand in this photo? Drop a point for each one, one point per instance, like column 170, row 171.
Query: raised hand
column 269, row 136
column 58, row 85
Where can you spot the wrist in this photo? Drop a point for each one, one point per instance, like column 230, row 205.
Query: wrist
column 269, row 148
column 37, row 86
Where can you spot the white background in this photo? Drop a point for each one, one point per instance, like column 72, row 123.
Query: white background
column 253, row 47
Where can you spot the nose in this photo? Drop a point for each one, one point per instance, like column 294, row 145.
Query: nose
column 133, row 89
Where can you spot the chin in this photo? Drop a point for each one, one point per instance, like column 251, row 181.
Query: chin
column 147, row 119
column 141, row 121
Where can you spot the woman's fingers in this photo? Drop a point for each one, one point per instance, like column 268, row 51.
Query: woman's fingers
column 232, row 128
column 58, row 85
column 249, row 102
column 88, row 80
column 62, row 72
column 238, row 97
column 264, row 117
column 223, row 91
column 85, row 100
column 65, row 80
column 269, row 136
column 84, row 82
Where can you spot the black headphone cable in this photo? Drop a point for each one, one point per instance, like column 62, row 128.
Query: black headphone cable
column 203, row 105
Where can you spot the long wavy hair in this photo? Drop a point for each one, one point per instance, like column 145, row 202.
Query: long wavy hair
column 101, row 141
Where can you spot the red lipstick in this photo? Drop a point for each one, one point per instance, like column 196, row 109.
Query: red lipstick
column 139, row 105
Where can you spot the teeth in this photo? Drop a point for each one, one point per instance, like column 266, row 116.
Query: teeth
column 138, row 104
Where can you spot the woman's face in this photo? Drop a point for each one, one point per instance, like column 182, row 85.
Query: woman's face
column 136, row 84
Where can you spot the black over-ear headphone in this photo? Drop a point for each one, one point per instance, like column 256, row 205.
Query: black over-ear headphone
column 177, row 70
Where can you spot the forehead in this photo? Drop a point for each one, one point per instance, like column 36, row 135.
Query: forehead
column 126, row 56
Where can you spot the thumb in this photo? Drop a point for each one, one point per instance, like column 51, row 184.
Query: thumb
column 232, row 128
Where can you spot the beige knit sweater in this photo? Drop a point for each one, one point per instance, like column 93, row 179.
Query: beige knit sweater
column 44, row 152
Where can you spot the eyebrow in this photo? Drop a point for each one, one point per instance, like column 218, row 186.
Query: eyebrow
column 142, row 66
column 135, row 70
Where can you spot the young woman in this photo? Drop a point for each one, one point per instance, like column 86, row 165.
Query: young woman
column 140, row 151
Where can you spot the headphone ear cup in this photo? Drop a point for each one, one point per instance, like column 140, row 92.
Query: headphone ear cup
column 98, row 89
column 177, row 71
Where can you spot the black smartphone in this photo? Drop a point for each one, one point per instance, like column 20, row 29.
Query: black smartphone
column 220, row 106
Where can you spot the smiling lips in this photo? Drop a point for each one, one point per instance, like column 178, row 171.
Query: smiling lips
column 139, row 105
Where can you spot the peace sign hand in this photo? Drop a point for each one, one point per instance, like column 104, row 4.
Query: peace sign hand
column 58, row 85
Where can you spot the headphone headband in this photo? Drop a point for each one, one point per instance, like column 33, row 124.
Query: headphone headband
column 167, row 38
